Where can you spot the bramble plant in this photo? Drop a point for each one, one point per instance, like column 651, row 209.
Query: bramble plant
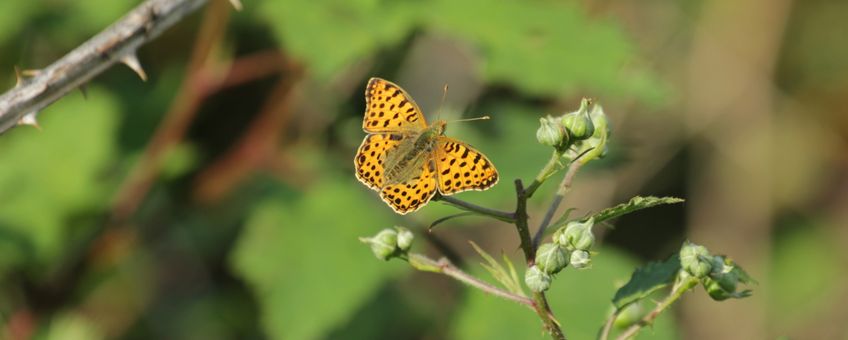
column 576, row 138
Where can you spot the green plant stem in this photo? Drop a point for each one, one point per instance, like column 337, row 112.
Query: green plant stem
column 444, row 266
column 676, row 293
column 497, row 214
column 540, row 301
column 563, row 189
column 549, row 170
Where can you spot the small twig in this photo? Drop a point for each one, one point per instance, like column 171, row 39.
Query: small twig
column 117, row 43
column 444, row 266
column 676, row 293
column 497, row 214
column 608, row 326
column 564, row 187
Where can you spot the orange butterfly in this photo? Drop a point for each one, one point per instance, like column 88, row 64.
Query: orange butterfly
column 406, row 160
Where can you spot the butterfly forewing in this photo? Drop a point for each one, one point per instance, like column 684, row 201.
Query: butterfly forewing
column 389, row 109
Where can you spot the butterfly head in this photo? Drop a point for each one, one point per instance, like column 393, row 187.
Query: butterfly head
column 439, row 127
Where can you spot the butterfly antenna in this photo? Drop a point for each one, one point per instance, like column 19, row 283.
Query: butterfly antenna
column 442, row 103
column 470, row 119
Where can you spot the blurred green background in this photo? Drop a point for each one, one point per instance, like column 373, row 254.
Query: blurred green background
column 217, row 200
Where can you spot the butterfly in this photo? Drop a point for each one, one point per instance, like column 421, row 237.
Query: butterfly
column 408, row 161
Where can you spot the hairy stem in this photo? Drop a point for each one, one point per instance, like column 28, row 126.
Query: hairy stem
column 563, row 189
column 497, row 214
column 549, row 170
column 117, row 43
column 444, row 266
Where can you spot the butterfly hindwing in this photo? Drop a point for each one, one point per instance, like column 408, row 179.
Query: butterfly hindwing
column 371, row 156
column 413, row 194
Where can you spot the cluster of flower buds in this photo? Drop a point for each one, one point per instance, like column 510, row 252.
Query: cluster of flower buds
column 565, row 131
column 719, row 274
column 389, row 243
column 571, row 245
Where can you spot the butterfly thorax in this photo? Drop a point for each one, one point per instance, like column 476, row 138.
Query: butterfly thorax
column 413, row 153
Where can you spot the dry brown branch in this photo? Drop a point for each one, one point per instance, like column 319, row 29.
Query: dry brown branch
column 117, row 43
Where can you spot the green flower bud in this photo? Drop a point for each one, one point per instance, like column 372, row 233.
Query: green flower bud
column 550, row 258
column 576, row 235
column 537, row 280
column 631, row 314
column 725, row 278
column 384, row 244
column 580, row 259
column 715, row 290
column 404, row 238
column 695, row 259
column 579, row 124
column 551, row 132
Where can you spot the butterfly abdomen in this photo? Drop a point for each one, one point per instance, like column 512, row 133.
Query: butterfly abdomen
column 405, row 162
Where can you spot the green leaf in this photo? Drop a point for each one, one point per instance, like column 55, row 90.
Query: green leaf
column 49, row 176
column 545, row 47
column 330, row 36
column 509, row 279
column 302, row 259
column 646, row 280
column 635, row 203
column 579, row 301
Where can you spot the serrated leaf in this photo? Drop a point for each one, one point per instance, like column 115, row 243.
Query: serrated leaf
column 646, row 280
column 635, row 204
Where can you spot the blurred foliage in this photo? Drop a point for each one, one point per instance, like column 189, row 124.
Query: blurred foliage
column 277, row 255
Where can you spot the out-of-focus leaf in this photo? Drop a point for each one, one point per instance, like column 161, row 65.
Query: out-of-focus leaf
column 13, row 15
column 580, row 301
column 304, row 262
column 635, row 203
column 646, row 280
column 806, row 273
column 73, row 326
column 545, row 47
column 331, row 35
column 47, row 176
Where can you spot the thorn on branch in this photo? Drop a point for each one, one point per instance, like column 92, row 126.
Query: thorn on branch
column 21, row 75
column 84, row 91
column 131, row 60
column 30, row 119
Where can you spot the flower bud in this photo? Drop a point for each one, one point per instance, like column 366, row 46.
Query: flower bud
column 537, row 280
column 404, row 238
column 715, row 290
column 695, row 259
column 632, row 313
column 383, row 245
column 577, row 235
column 580, row 259
column 550, row 132
column 579, row 124
column 550, row 258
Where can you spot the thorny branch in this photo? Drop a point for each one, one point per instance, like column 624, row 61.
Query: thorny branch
column 117, row 43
